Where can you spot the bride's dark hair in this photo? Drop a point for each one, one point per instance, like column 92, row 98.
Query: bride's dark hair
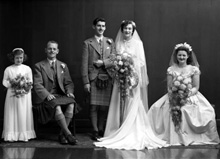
column 192, row 60
column 189, row 53
column 124, row 23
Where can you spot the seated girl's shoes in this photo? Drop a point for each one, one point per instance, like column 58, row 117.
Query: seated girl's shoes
column 71, row 139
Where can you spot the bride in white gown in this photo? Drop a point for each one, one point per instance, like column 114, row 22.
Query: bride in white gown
column 184, row 119
column 135, row 131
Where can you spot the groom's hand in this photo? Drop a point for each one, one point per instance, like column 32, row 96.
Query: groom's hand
column 87, row 88
column 98, row 63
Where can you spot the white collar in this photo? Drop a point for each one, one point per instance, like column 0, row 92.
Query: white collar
column 99, row 38
column 50, row 61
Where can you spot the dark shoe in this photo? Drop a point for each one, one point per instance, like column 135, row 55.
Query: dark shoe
column 101, row 133
column 95, row 136
column 71, row 139
column 62, row 139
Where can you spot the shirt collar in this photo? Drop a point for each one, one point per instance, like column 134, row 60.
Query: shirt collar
column 98, row 38
column 50, row 61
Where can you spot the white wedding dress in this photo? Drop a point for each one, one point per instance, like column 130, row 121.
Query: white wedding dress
column 18, row 116
column 135, row 133
column 198, row 126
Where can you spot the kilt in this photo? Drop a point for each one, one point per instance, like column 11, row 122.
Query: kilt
column 100, row 96
column 46, row 110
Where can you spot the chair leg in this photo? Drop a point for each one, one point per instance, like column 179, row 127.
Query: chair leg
column 72, row 124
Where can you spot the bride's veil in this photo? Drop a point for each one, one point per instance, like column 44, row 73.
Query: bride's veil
column 139, row 52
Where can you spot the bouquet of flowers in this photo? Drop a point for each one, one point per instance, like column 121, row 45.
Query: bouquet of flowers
column 178, row 97
column 125, row 75
column 20, row 85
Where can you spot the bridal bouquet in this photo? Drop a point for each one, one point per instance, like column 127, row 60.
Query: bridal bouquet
column 20, row 85
column 178, row 97
column 124, row 73
column 126, row 77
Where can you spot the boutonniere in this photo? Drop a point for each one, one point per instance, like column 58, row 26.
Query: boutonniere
column 109, row 41
column 63, row 65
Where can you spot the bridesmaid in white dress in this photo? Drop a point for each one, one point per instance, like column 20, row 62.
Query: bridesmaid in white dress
column 18, row 117
column 192, row 121
column 134, row 133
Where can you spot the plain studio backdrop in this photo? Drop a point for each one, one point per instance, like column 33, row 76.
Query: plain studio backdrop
column 161, row 24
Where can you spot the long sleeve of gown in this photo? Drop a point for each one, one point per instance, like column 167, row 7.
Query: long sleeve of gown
column 30, row 75
column 5, row 81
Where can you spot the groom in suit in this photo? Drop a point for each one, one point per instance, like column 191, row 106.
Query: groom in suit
column 54, row 89
column 96, row 77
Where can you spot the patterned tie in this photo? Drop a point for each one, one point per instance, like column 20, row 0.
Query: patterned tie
column 101, row 50
column 53, row 66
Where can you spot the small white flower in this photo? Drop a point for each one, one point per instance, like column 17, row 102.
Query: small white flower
column 122, row 70
column 185, row 44
column 63, row 65
column 120, row 63
column 62, row 72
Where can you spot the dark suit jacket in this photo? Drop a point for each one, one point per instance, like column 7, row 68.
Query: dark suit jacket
column 91, row 53
column 43, row 80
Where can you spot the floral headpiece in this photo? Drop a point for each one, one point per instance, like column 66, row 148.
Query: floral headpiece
column 17, row 49
column 185, row 45
column 133, row 23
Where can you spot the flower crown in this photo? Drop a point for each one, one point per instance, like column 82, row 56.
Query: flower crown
column 185, row 45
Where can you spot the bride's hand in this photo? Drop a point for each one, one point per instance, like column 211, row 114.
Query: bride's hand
column 192, row 92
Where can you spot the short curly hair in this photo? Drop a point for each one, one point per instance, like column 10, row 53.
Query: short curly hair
column 16, row 51
column 182, row 48
column 127, row 22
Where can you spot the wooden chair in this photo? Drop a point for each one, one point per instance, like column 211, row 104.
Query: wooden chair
column 37, row 124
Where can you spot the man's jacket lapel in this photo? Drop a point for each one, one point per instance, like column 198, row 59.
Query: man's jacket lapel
column 47, row 68
column 95, row 45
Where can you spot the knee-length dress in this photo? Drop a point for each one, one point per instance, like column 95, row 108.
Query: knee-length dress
column 198, row 124
column 18, row 116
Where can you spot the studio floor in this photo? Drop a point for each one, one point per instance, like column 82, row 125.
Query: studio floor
column 46, row 146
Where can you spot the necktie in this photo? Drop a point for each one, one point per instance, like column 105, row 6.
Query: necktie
column 100, row 44
column 52, row 65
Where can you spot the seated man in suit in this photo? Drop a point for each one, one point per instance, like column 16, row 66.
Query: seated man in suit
column 54, row 89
